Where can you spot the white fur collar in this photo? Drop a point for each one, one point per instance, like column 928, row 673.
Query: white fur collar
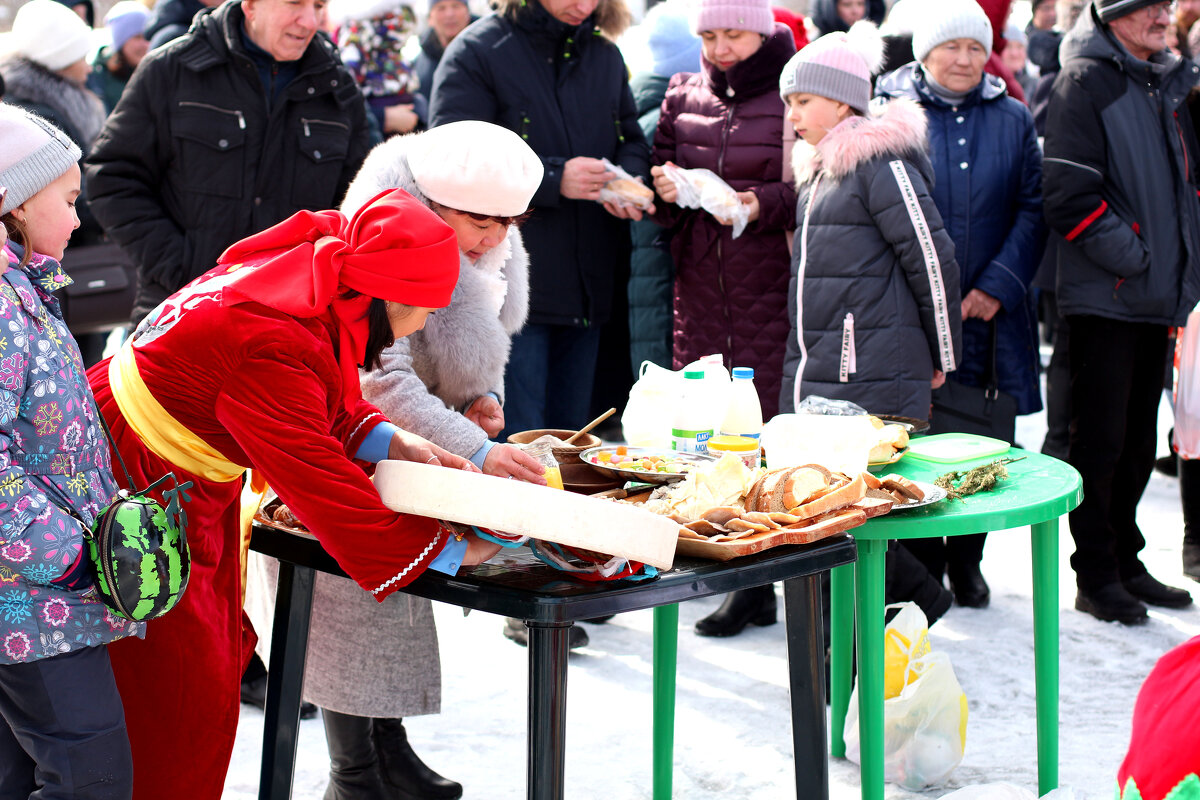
column 897, row 127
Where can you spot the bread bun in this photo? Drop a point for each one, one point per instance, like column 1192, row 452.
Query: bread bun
column 630, row 189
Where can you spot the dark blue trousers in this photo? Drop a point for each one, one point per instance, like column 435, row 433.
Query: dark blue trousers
column 64, row 734
column 548, row 381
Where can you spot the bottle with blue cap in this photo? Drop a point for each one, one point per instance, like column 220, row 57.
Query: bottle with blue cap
column 743, row 416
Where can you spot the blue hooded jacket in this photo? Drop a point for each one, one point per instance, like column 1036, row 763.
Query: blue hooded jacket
column 988, row 189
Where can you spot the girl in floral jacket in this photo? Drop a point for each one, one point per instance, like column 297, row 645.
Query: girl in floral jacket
column 64, row 732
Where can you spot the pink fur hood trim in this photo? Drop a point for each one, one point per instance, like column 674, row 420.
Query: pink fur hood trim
column 896, row 128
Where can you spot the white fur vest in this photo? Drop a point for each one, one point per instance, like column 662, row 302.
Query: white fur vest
column 464, row 348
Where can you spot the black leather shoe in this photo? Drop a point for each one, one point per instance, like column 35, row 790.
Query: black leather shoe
column 515, row 630
column 744, row 607
column 254, row 693
column 403, row 771
column 1148, row 589
column 1191, row 560
column 1167, row 465
column 970, row 589
column 1112, row 603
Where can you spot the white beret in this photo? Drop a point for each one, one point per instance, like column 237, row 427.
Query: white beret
column 477, row 167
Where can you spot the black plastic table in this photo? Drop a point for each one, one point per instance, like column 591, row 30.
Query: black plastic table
column 549, row 602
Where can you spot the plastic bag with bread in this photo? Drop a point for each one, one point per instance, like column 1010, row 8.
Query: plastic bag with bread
column 625, row 190
column 703, row 188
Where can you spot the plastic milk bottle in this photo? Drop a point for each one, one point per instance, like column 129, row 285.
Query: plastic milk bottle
column 691, row 428
column 743, row 416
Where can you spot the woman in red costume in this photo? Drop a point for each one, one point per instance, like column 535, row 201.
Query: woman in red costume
column 254, row 365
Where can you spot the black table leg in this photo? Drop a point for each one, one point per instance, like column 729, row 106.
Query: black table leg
column 545, row 769
column 806, row 668
column 285, row 681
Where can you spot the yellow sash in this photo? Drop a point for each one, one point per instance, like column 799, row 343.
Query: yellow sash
column 167, row 438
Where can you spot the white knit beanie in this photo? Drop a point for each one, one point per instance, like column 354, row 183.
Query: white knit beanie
column 33, row 154
column 476, row 167
column 837, row 66
column 953, row 19
column 50, row 34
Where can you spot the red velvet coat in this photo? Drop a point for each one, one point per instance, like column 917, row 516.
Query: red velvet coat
column 264, row 390
column 731, row 295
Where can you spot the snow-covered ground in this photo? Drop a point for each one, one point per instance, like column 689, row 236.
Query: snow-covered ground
column 733, row 737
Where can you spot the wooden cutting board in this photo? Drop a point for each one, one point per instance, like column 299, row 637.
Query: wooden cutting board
column 526, row 509
column 702, row 547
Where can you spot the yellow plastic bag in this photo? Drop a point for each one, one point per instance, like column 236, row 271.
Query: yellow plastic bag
column 924, row 708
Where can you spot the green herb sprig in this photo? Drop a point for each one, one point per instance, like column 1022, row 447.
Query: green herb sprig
column 959, row 483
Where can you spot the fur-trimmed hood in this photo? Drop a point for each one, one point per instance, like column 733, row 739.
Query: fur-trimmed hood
column 611, row 17
column 897, row 128
column 462, row 352
column 78, row 107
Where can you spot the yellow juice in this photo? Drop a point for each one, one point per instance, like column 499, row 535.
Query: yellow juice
column 553, row 477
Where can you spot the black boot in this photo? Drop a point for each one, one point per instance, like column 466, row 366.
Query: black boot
column 403, row 772
column 353, row 766
column 970, row 589
column 741, row 608
column 1189, row 493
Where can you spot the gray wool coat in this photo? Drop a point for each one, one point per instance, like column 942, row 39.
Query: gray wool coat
column 381, row 659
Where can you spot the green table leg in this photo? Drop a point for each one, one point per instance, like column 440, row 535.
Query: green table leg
column 841, row 650
column 869, row 578
column 1045, row 650
column 666, row 646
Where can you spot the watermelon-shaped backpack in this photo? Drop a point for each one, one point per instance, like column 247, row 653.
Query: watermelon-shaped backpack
column 138, row 549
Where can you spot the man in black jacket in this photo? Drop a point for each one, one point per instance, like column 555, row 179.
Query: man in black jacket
column 1120, row 185
column 224, row 132
column 547, row 70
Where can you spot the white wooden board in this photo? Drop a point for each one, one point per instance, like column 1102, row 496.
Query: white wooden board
column 525, row 509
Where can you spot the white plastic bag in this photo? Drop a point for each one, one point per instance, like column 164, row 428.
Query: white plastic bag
column 646, row 420
column 1187, row 389
column 625, row 190
column 653, row 400
column 925, row 725
column 703, row 188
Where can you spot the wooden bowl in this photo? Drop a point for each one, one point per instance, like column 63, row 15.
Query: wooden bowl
column 580, row 477
column 567, row 454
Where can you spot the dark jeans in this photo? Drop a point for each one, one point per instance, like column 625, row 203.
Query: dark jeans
column 548, row 381
column 64, row 735
column 1116, row 382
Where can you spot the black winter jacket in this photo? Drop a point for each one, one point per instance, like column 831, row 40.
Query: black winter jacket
column 874, row 294
column 191, row 159
column 1120, row 180
column 565, row 91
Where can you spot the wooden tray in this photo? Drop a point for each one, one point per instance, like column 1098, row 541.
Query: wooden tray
column 693, row 544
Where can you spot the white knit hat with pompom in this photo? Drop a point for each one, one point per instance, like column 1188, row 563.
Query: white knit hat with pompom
column 837, row 66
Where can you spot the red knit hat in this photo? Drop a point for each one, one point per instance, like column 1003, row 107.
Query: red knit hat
column 395, row 248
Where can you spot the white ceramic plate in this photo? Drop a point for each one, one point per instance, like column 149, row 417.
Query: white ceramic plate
column 933, row 494
column 640, row 475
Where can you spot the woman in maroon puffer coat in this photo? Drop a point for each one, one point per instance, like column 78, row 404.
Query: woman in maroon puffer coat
column 731, row 295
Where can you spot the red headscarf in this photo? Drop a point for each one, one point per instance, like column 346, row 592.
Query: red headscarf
column 395, row 248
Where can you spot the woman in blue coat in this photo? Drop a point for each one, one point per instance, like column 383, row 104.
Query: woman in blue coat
column 988, row 171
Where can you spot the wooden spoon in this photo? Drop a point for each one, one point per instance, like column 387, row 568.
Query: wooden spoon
column 590, row 425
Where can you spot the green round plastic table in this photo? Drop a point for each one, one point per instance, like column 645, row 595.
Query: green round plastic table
column 1039, row 490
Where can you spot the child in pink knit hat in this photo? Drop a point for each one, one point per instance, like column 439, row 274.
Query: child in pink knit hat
column 874, row 291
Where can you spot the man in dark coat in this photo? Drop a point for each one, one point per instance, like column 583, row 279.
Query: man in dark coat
column 447, row 19
column 546, row 70
column 171, row 19
column 1120, row 190
column 244, row 121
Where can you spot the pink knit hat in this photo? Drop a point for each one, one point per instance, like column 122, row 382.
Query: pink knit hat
column 740, row 15
column 837, row 66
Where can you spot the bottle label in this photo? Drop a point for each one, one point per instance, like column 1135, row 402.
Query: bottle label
column 685, row 441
